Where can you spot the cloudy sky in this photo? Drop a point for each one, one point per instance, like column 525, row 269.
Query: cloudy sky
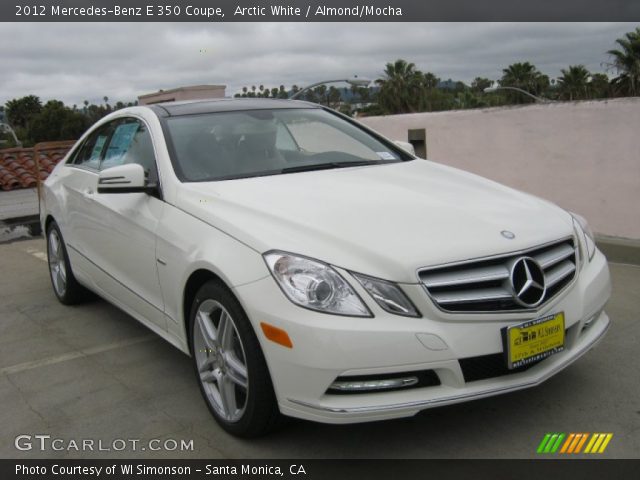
column 74, row 62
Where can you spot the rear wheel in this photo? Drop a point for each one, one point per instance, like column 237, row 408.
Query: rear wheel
column 65, row 285
column 229, row 364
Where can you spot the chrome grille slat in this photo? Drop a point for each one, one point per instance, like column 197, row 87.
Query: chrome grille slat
column 479, row 295
column 555, row 255
column 484, row 285
column 475, row 275
column 558, row 272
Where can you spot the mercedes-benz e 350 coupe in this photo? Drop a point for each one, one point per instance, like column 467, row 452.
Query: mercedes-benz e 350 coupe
column 312, row 268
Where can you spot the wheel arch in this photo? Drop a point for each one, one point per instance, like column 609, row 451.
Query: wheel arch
column 47, row 221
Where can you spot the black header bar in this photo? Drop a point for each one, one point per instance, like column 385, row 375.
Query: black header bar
column 293, row 469
column 319, row 10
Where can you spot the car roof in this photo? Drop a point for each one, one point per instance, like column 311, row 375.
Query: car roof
column 194, row 107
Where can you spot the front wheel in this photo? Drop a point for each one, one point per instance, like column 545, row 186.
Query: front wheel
column 229, row 364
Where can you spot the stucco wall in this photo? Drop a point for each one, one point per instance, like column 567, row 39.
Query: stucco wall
column 584, row 156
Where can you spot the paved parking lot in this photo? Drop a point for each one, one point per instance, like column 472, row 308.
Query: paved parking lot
column 92, row 372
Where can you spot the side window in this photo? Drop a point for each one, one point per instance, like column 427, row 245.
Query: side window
column 130, row 143
column 91, row 150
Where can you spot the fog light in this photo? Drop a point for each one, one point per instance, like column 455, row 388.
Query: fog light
column 373, row 385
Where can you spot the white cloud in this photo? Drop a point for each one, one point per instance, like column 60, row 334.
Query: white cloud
column 79, row 61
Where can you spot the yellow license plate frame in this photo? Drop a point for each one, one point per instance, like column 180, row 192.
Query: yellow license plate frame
column 534, row 340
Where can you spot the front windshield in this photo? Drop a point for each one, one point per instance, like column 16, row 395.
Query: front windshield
column 226, row 145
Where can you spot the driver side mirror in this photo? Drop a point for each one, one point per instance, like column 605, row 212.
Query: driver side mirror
column 128, row 178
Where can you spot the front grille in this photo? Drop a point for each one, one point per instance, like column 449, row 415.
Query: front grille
column 484, row 285
column 488, row 366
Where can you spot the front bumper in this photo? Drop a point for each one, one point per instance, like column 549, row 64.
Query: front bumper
column 326, row 347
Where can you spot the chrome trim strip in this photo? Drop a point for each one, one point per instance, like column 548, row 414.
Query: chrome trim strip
column 558, row 273
column 554, row 256
column 479, row 295
column 475, row 275
column 455, row 398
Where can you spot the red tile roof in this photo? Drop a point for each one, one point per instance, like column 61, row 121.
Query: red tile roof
column 18, row 165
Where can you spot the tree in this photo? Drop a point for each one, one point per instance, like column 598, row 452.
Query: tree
column 333, row 97
column 526, row 77
column 57, row 122
column 600, row 86
column 400, row 88
column 21, row 111
column 574, row 83
column 480, row 83
column 430, row 81
column 429, row 96
column 626, row 61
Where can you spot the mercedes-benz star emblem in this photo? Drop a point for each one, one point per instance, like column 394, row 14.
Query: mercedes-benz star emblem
column 527, row 281
column 507, row 234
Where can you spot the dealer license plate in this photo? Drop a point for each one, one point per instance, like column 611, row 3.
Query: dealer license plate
column 534, row 340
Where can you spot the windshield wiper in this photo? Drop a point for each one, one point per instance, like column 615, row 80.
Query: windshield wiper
column 330, row 165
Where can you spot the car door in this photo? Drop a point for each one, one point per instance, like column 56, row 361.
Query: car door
column 120, row 233
column 78, row 182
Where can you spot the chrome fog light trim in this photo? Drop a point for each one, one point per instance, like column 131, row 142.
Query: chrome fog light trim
column 373, row 385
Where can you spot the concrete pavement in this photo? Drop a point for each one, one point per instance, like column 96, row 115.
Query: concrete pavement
column 92, row 372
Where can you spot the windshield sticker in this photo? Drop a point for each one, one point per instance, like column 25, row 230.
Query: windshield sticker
column 386, row 155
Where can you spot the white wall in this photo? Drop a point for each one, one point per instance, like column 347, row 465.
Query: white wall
column 584, row 156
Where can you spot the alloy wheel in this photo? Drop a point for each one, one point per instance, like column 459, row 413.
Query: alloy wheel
column 221, row 361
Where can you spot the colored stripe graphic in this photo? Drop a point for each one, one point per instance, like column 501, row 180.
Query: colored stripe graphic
column 543, row 443
column 558, row 442
column 605, row 443
column 567, row 443
column 574, row 443
column 598, row 442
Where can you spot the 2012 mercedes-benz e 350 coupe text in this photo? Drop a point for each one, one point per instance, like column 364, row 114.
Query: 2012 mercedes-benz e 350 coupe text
column 312, row 268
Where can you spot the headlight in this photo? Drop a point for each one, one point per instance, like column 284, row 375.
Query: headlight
column 587, row 235
column 388, row 295
column 315, row 285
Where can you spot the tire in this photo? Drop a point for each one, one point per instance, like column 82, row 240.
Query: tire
column 65, row 286
column 229, row 364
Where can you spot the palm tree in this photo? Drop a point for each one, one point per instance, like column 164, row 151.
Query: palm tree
column 400, row 88
column 574, row 83
column 525, row 76
column 627, row 63
column 480, row 83
column 429, row 83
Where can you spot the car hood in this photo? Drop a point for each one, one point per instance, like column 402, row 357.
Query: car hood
column 382, row 220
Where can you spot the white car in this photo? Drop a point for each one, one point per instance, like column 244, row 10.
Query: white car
column 314, row 269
